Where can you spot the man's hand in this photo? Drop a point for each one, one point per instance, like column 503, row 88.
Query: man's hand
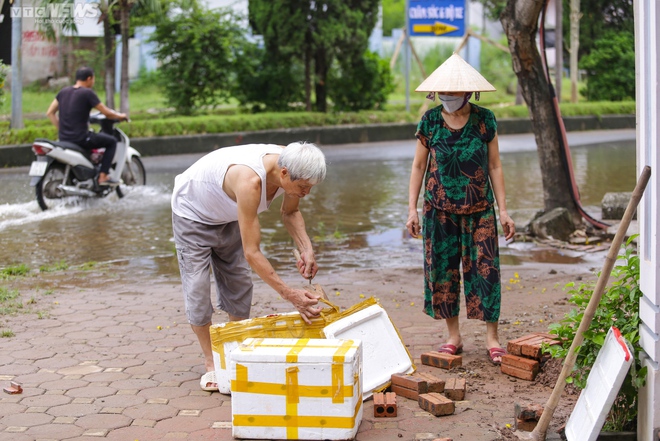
column 305, row 302
column 306, row 264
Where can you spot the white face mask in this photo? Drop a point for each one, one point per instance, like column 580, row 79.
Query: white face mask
column 453, row 103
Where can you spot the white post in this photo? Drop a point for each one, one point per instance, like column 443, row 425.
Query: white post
column 406, row 46
column 16, row 67
column 647, row 23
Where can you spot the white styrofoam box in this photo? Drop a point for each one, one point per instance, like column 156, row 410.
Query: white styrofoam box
column 603, row 384
column 384, row 352
column 225, row 337
column 307, row 389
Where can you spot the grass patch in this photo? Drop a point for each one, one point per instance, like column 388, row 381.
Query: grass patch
column 88, row 265
column 10, row 301
column 6, row 333
column 59, row 266
column 14, row 271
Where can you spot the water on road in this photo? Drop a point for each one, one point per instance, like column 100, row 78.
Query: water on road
column 356, row 218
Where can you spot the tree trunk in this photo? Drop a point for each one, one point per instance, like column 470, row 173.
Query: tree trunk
column 109, row 62
column 520, row 22
column 308, row 75
column 575, row 47
column 123, row 89
column 321, row 71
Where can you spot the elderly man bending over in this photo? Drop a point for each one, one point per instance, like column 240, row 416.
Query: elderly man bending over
column 215, row 207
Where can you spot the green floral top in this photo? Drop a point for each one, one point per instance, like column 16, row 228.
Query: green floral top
column 457, row 176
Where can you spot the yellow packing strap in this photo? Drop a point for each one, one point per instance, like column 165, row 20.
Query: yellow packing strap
column 280, row 326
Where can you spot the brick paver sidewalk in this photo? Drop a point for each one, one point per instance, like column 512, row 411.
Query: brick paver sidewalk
column 122, row 364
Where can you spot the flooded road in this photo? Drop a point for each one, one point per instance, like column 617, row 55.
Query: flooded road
column 356, row 218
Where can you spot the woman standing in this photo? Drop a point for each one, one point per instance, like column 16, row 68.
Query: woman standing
column 458, row 141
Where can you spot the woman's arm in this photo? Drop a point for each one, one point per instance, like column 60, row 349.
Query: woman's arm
column 416, row 178
column 497, row 181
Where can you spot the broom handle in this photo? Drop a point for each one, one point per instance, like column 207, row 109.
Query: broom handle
column 541, row 428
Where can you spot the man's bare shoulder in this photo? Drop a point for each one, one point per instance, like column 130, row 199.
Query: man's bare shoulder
column 241, row 179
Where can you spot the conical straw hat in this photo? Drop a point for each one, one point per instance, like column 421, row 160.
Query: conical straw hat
column 455, row 75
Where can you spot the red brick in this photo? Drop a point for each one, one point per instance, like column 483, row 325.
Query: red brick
column 455, row 389
column 519, row 367
column 414, row 383
column 385, row 404
column 530, row 345
column 404, row 392
column 434, row 383
column 436, row 404
column 441, row 360
column 526, row 364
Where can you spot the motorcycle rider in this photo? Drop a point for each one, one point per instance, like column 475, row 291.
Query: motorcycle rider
column 74, row 104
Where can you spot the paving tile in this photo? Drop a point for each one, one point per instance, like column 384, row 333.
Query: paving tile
column 8, row 408
column 27, row 420
column 119, row 401
column 45, row 400
column 64, row 420
column 163, row 392
column 91, row 392
column 103, row 421
column 155, row 412
column 63, row 384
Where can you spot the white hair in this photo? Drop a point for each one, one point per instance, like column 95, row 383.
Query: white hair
column 303, row 160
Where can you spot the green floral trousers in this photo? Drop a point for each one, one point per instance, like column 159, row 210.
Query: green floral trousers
column 452, row 241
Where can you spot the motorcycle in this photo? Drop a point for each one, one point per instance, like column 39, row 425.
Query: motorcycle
column 63, row 170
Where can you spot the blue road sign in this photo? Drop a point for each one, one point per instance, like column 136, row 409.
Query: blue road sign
column 436, row 18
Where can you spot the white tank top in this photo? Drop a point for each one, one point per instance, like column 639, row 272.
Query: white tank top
column 198, row 193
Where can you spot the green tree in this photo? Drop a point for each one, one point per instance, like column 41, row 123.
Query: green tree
column 199, row 49
column 316, row 33
column 4, row 70
column 610, row 68
column 360, row 83
column 600, row 17
column 124, row 7
column 393, row 15
column 268, row 82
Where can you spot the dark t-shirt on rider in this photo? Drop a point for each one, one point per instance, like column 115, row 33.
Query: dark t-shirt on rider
column 75, row 103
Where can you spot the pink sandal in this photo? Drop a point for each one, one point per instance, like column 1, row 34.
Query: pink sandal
column 450, row 349
column 494, row 353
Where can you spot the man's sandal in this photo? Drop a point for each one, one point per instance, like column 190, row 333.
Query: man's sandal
column 208, row 382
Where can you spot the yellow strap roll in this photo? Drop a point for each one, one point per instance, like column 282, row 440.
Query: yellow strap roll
column 292, row 356
column 258, row 387
column 292, row 400
column 299, row 421
column 280, row 326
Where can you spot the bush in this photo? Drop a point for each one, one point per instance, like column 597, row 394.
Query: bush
column 360, row 84
column 268, row 82
column 610, row 68
column 618, row 307
column 4, row 70
column 198, row 50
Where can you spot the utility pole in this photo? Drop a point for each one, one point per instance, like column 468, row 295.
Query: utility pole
column 575, row 46
column 16, row 67
column 407, row 55
column 559, row 47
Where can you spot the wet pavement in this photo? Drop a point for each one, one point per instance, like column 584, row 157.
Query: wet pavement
column 107, row 354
